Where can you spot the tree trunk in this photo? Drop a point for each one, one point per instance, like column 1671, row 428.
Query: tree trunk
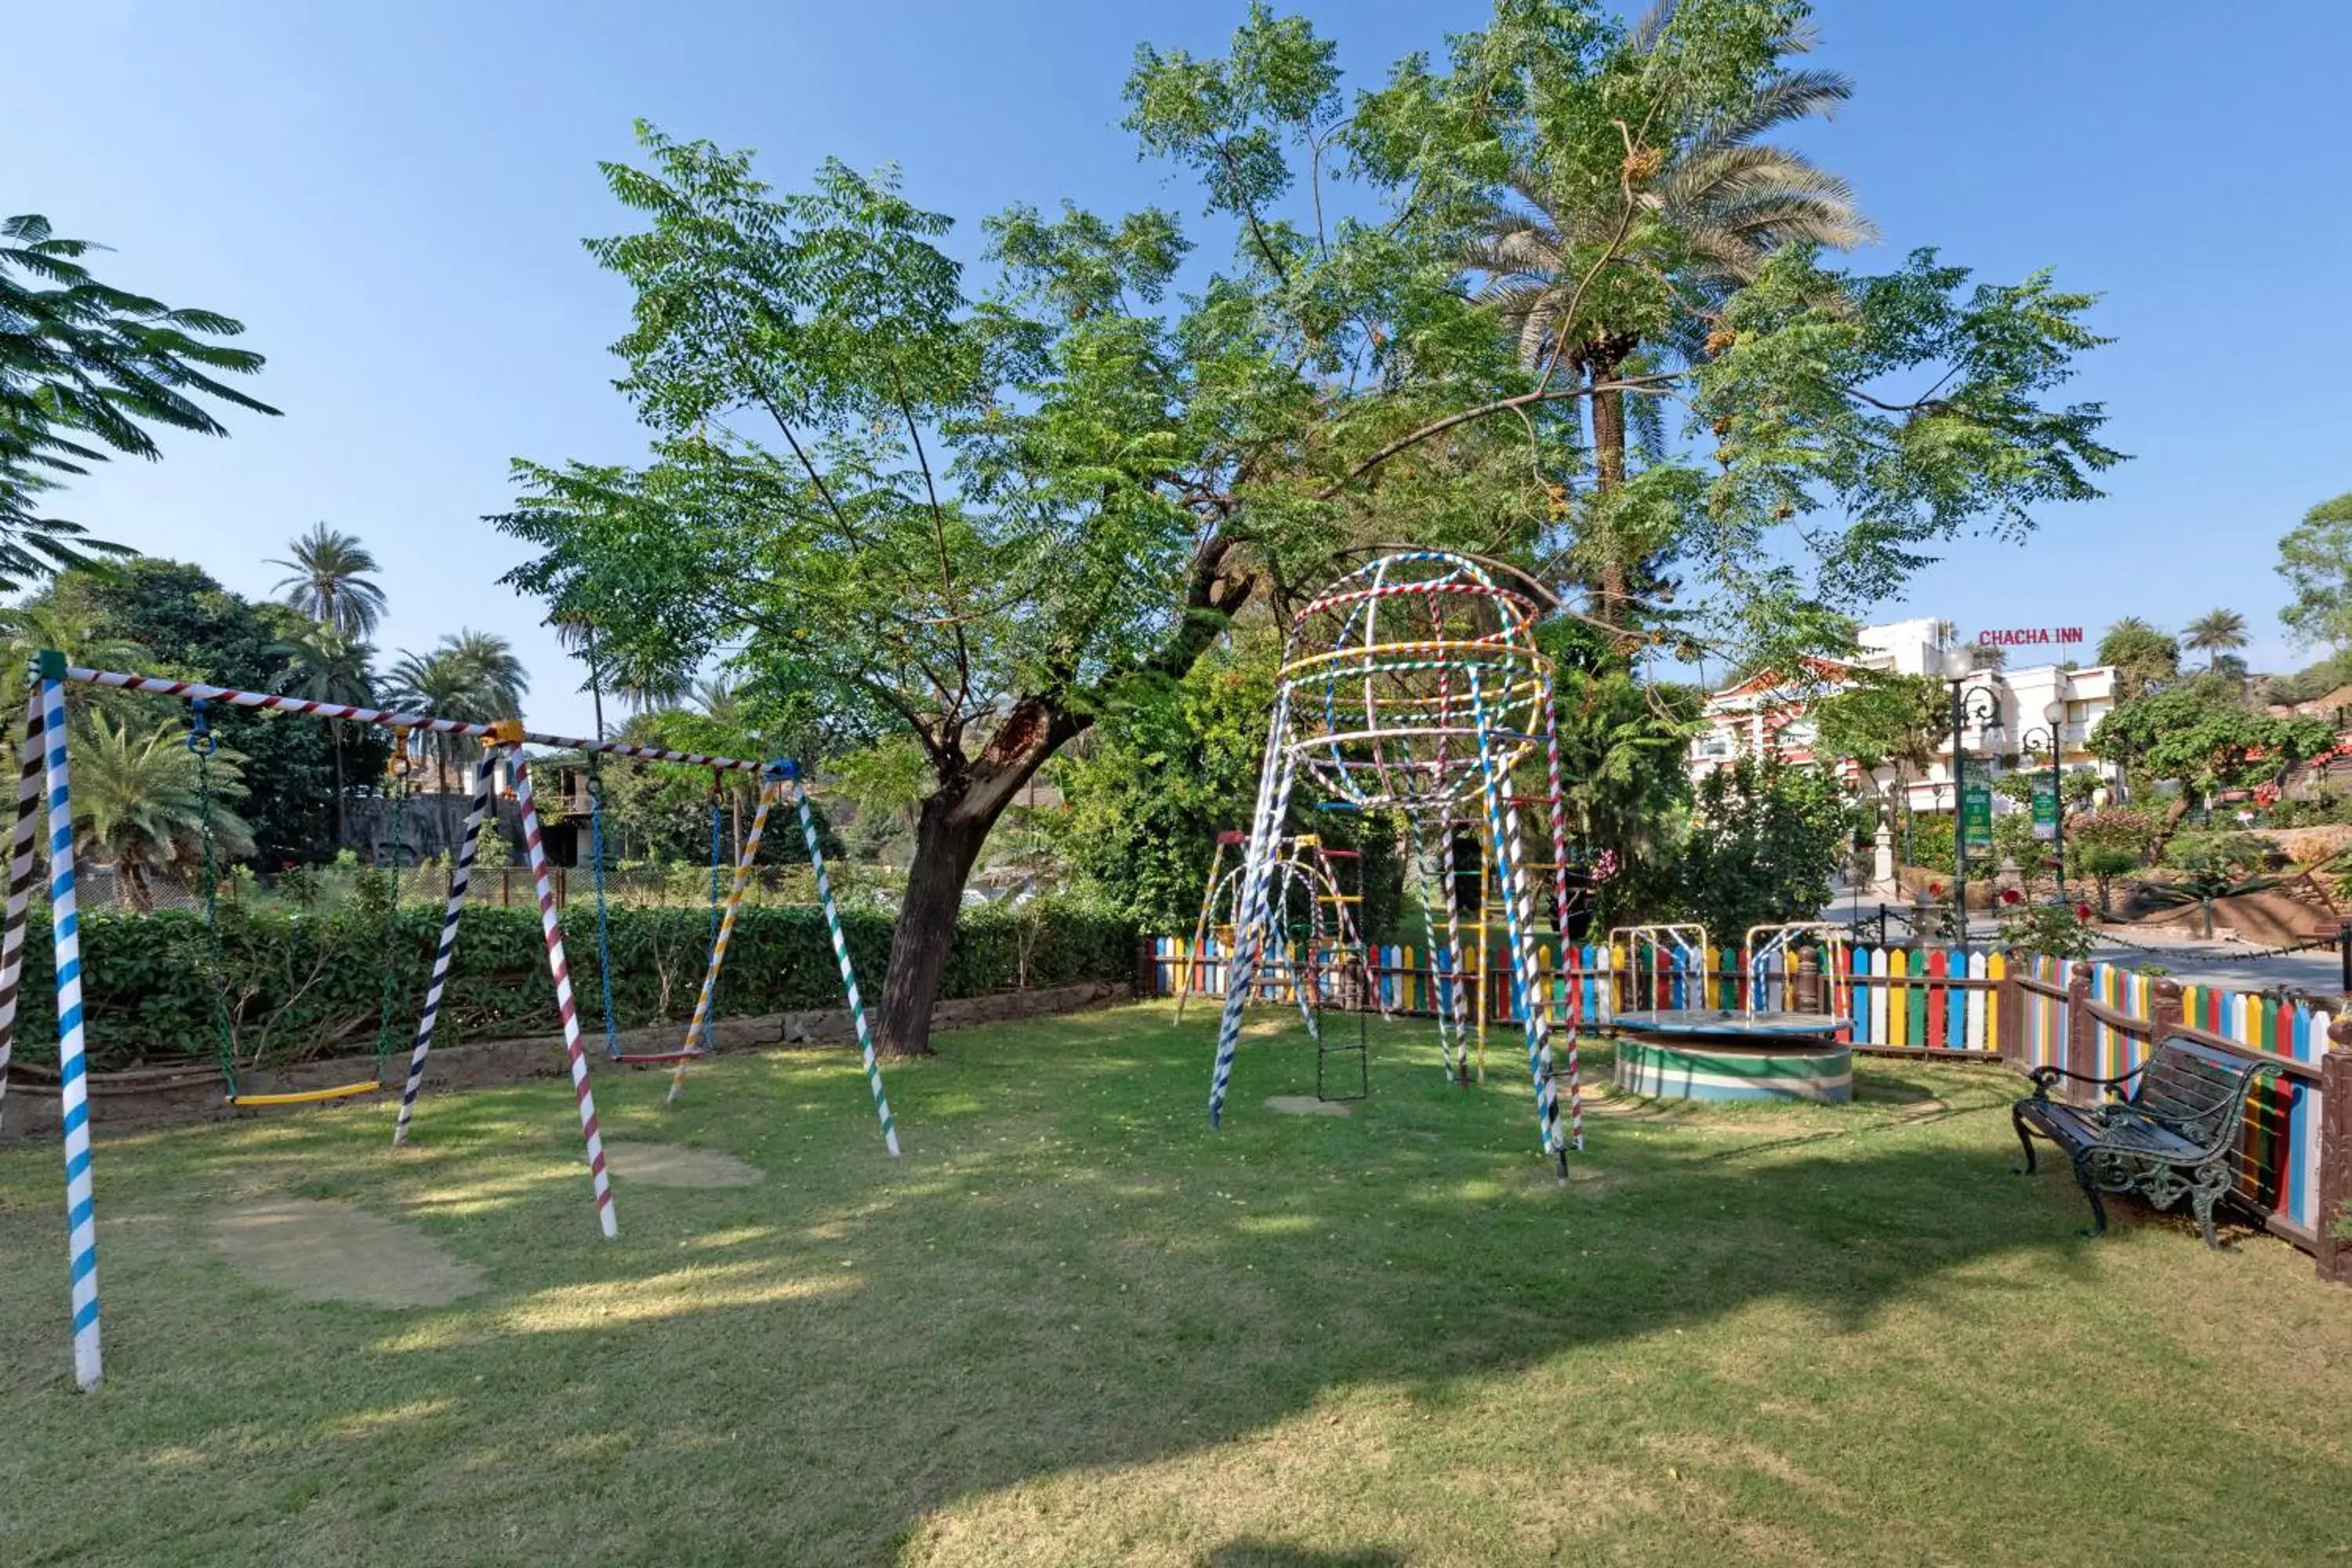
column 1609, row 469
column 947, row 844
column 951, row 827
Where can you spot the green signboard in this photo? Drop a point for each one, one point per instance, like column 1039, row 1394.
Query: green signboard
column 2045, row 806
column 1976, row 806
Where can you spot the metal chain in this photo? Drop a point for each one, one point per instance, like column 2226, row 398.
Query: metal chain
column 603, row 916
column 395, row 796
column 202, row 744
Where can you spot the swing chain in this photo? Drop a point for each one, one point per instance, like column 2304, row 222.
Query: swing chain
column 202, row 744
column 717, row 847
column 395, row 799
column 603, row 916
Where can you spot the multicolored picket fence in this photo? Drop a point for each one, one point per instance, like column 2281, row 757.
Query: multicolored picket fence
column 1922, row 1001
column 1900, row 999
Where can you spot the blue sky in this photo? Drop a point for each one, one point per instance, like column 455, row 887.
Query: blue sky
column 391, row 197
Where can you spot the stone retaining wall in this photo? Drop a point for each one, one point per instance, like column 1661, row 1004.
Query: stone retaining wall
column 155, row 1098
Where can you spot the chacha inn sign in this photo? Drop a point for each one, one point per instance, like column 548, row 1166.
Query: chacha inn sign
column 2016, row 636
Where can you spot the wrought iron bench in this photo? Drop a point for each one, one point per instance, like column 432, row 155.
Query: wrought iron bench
column 2176, row 1131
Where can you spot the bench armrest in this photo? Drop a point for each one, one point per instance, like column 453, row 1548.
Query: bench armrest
column 2045, row 1077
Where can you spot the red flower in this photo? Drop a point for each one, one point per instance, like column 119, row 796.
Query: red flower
column 1934, row 890
column 2083, row 913
column 2010, row 895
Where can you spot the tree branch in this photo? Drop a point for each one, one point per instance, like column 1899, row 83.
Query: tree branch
column 1650, row 383
column 1249, row 214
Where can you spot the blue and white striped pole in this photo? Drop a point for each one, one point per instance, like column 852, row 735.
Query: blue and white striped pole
column 73, row 1077
column 22, row 869
column 461, row 873
column 1503, row 832
column 1273, row 783
column 1458, row 995
column 789, row 773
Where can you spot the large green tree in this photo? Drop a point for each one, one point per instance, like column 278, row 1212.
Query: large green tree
column 2204, row 736
column 977, row 522
column 2316, row 559
column 86, row 370
column 2142, row 657
column 1886, row 722
column 196, row 629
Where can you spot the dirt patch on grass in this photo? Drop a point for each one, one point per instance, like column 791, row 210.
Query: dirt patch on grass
column 1305, row 1105
column 327, row 1251
column 673, row 1165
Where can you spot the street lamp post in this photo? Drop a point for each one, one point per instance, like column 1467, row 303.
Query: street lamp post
column 1984, row 708
column 2054, row 732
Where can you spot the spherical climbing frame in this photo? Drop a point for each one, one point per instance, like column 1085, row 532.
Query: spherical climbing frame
column 1412, row 683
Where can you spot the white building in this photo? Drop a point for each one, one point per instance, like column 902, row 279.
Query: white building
column 1773, row 715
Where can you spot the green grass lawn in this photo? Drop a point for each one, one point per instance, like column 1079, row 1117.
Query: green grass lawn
column 1071, row 1325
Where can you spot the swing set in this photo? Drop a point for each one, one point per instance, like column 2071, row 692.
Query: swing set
column 44, row 789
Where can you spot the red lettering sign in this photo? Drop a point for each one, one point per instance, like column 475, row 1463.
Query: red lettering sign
column 2018, row 636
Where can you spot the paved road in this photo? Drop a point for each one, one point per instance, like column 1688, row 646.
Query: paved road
column 2236, row 965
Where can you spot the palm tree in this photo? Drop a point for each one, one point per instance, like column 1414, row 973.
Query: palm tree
column 326, row 667
column 1722, row 202
column 438, row 686
column 499, row 677
column 330, row 581
column 2140, row 655
column 138, row 805
column 2215, row 633
column 474, row 678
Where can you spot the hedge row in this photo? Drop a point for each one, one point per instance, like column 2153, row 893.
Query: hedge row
column 308, row 984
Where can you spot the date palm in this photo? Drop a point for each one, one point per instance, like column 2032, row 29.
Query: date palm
column 472, row 676
column 2214, row 633
column 138, row 805
column 324, row 666
column 328, row 580
column 1559, row 256
column 499, row 677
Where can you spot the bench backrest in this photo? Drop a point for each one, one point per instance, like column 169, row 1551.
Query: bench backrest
column 2195, row 1091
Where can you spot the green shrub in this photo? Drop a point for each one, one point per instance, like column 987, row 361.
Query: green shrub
column 304, row 983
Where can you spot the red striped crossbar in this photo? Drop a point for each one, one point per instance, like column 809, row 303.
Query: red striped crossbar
column 197, row 692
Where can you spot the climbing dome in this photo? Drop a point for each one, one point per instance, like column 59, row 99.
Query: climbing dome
column 1394, row 672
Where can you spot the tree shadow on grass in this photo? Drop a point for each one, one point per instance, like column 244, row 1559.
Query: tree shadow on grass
column 1256, row 1553
column 1073, row 1276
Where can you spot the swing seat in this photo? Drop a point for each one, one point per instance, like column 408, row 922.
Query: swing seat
column 655, row 1058
column 309, row 1096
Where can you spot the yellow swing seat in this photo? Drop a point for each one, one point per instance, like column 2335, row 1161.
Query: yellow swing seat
column 309, row 1096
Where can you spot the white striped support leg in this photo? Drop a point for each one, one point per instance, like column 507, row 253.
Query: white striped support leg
column 461, row 873
column 564, row 1005
column 1571, row 987
column 1457, row 987
column 697, row 1039
column 841, row 952
column 1249, row 929
column 23, row 866
column 1503, row 834
column 73, row 1077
